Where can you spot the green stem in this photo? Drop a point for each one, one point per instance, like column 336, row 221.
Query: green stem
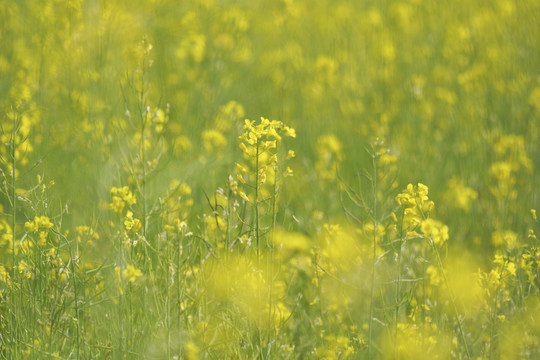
column 491, row 334
column 398, row 289
column 374, row 259
column 13, row 330
column 167, row 300
column 77, row 319
column 257, row 205
column 178, row 278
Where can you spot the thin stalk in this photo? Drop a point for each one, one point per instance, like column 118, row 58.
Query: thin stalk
column 491, row 334
column 374, row 259
column 257, row 205
column 13, row 330
column 121, row 317
column 229, row 194
column 270, row 265
column 398, row 289
column 257, row 239
column 143, row 182
column 167, row 305
column 143, row 113
column 121, row 300
column 424, row 297
column 77, row 319
column 178, row 278
column 130, row 329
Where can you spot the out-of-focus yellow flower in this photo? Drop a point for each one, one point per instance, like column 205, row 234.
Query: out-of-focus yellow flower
column 41, row 225
column 121, row 197
column 130, row 273
column 191, row 351
column 213, row 141
column 290, row 241
column 131, row 223
column 460, row 195
column 506, row 238
column 329, row 155
column 435, row 230
column 24, row 269
column 4, row 275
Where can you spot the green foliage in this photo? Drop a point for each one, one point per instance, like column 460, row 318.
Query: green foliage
column 144, row 216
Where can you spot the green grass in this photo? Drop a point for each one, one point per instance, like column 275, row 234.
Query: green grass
column 134, row 224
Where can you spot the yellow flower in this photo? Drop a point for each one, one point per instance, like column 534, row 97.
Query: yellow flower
column 130, row 273
column 121, row 197
column 290, row 155
column 213, row 141
column 288, row 172
column 191, row 351
column 437, row 231
column 41, row 225
column 117, row 204
column 329, row 155
column 24, row 269
column 4, row 275
column 131, row 223
column 506, row 238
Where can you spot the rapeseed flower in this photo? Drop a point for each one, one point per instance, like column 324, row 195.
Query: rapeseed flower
column 41, row 225
column 121, row 197
column 130, row 273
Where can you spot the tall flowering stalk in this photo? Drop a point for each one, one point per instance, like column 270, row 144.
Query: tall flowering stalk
column 417, row 223
column 260, row 143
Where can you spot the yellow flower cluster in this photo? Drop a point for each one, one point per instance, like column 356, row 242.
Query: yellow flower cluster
column 266, row 129
column 335, row 347
column 87, row 233
column 6, row 236
column 460, row 195
column 511, row 154
column 213, row 141
column 436, row 230
column 4, row 276
column 14, row 139
column 121, row 197
column 228, row 115
column 24, row 269
column 494, row 287
column 41, row 225
column 329, row 155
column 529, row 263
column 259, row 145
column 507, row 239
column 131, row 223
column 416, row 207
column 157, row 119
column 129, row 273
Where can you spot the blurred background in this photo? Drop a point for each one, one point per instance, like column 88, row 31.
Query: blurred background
column 452, row 88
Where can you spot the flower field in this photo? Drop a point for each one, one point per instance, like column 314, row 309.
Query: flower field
column 269, row 179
